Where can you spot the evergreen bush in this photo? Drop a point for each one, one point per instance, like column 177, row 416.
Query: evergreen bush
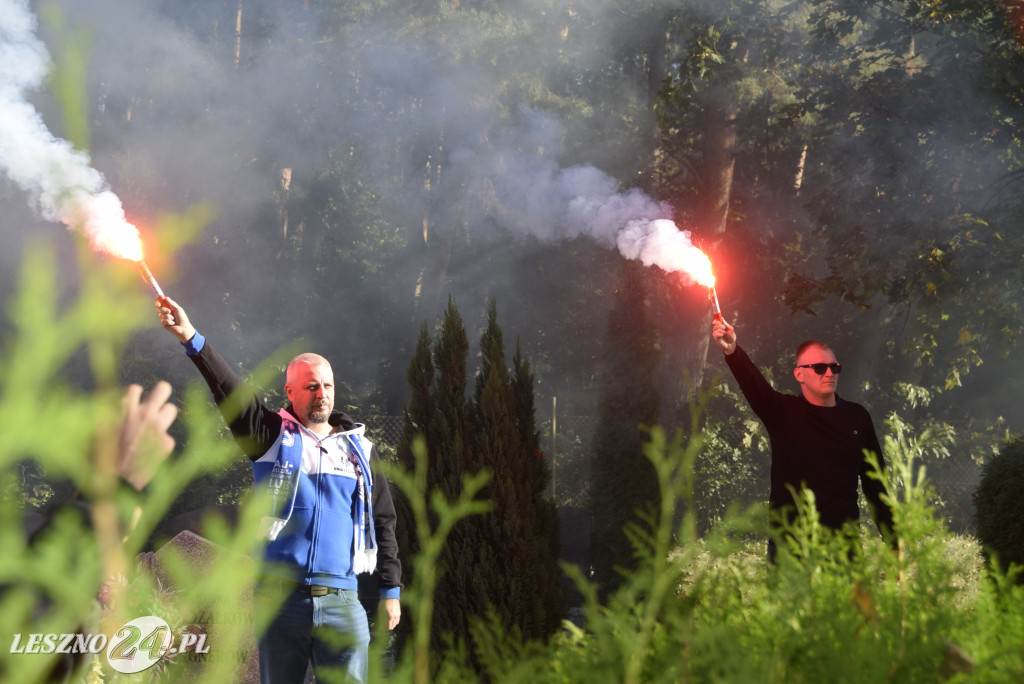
column 999, row 506
column 503, row 565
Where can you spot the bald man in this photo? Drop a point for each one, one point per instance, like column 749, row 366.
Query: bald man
column 328, row 517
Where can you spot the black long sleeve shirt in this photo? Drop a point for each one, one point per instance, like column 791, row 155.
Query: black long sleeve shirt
column 820, row 447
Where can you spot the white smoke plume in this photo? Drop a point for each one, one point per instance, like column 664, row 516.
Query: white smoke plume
column 550, row 202
column 59, row 180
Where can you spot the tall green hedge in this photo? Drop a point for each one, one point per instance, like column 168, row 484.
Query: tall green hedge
column 999, row 507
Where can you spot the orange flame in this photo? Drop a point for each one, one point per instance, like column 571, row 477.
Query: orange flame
column 696, row 264
column 121, row 241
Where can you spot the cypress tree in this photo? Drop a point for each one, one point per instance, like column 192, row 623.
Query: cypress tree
column 541, row 527
column 419, row 410
column 519, row 554
column 448, row 444
column 506, row 562
column 496, row 446
column 623, row 481
column 450, row 432
column 417, row 415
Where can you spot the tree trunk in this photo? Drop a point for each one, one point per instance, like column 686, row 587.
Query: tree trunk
column 688, row 325
column 719, row 158
column 283, row 196
column 238, row 34
column 656, row 72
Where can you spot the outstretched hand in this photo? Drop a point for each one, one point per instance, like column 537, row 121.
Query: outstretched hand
column 724, row 335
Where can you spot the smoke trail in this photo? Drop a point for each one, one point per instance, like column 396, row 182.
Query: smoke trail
column 538, row 197
column 61, row 184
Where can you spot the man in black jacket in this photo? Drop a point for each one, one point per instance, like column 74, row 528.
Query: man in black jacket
column 818, row 439
column 329, row 517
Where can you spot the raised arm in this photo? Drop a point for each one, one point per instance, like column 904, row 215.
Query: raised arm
column 762, row 397
column 254, row 426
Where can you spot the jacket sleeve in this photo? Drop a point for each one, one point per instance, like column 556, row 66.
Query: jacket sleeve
column 874, row 489
column 254, row 426
column 762, row 397
column 389, row 567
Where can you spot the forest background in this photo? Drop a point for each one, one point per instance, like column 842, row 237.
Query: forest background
column 336, row 173
column 854, row 172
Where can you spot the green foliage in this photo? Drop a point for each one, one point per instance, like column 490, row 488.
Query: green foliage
column 431, row 537
column 711, row 610
column 899, row 236
column 503, row 565
column 1000, row 507
column 623, row 484
column 82, row 571
column 734, row 463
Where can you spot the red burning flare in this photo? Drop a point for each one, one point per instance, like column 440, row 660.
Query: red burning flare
column 109, row 232
column 697, row 266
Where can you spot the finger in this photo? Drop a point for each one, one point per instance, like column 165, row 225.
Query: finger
column 131, row 398
column 165, row 303
column 166, row 445
column 159, row 395
column 162, row 412
column 168, row 318
column 165, row 417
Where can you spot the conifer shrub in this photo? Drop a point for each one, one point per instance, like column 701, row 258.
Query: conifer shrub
column 999, row 506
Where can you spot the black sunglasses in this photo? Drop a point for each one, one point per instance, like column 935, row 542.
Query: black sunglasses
column 820, row 368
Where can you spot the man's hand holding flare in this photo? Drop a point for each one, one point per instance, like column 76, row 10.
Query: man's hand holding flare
column 174, row 319
column 724, row 334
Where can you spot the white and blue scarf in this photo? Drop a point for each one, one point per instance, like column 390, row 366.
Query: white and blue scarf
column 364, row 537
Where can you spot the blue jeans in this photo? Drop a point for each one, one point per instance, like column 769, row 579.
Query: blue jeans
column 329, row 631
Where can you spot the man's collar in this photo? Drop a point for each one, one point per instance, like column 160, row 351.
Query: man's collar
column 338, row 420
